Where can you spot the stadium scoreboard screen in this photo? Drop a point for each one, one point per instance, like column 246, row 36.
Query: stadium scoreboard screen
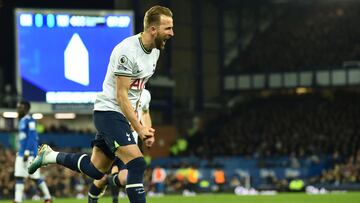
column 62, row 55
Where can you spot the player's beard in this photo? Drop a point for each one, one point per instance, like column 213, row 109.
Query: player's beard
column 159, row 42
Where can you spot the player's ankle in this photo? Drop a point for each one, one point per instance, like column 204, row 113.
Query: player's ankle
column 51, row 157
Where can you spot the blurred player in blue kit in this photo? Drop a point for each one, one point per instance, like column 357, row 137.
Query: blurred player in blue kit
column 132, row 62
column 28, row 145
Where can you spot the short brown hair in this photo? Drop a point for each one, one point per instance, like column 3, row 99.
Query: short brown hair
column 152, row 16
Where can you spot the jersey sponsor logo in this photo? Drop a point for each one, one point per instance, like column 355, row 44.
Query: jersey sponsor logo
column 138, row 84
column 32, row 125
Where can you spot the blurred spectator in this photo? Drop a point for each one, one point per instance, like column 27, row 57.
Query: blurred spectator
column 158, row 179
column 347, row 172
column 219, row 178
column 193, row 177
column 234, row 181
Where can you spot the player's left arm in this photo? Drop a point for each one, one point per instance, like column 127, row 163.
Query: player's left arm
column 145, row 116
column 146, row 120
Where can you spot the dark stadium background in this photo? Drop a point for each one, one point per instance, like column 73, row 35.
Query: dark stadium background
column 266, row 90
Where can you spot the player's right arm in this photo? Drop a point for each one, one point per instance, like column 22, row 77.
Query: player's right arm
column 122, row 91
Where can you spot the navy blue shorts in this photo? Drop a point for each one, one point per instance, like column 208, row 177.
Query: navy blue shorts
column 113, row 131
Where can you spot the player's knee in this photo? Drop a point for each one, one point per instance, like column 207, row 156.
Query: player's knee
column 137, row 164
column 136, row 169
column 89, row 169
column 101, row 182
column 95, row 173
column 19, row 180
column 123, row 176
column 38, row 181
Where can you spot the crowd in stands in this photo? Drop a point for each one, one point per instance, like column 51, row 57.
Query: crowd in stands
column 53, row 129
column 183, row 178
column 346, row 172
column 66, row 183
column 304, row 36
column 7, row 180
column 61, row 182
column 304, row 127
column 297, row 125
column 62, row 128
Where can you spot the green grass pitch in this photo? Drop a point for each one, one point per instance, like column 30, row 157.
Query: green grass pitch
column 349, row 197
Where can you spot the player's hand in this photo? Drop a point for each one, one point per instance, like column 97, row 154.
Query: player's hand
column 25, row 158
column 149, row 142
column 26, row 155
column 146, row 132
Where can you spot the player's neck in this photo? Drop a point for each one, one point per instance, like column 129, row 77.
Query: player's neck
column 147, row 41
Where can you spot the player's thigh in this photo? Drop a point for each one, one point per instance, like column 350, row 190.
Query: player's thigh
column 100, row 160
column 128, row 153
column 20, row 167
column 114, row 130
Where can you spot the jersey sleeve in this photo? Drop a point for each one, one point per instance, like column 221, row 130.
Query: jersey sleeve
column 124, row 61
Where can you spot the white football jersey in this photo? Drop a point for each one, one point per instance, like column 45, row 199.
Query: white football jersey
column 129, row 58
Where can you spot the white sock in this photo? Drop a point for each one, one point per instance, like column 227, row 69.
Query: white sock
column 19, row 191
column 45, row 190
column 51, row 157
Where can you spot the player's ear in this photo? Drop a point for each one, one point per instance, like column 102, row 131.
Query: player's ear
column 153, row 29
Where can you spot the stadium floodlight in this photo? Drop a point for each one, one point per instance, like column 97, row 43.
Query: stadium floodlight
column 37, row 116
column 65, row 115
column 10, row 114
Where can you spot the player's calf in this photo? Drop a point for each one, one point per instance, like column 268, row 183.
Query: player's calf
column 80, row 163
column 134, row 187
column 114, row 185
column 76, row 162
